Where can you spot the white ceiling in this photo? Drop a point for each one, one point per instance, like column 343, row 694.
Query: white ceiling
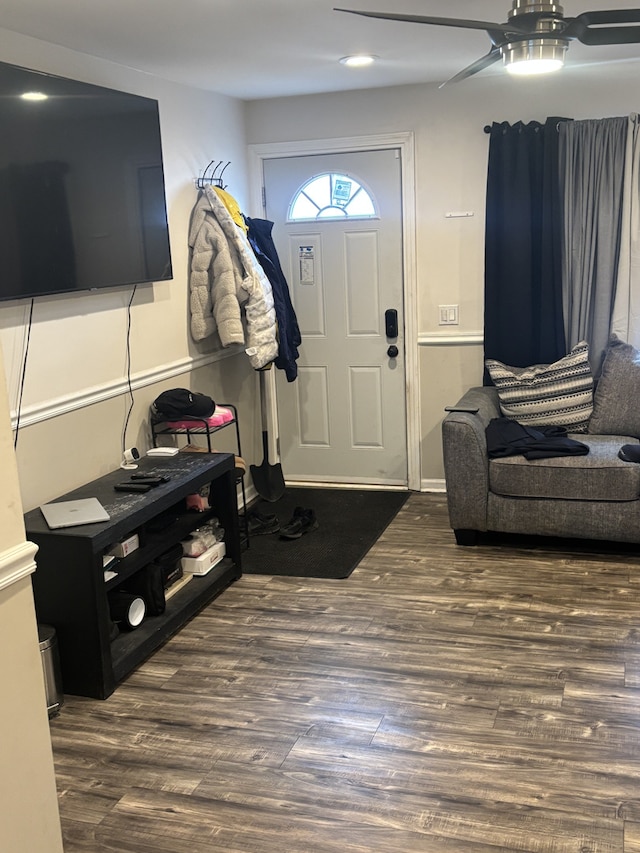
column 266, row 48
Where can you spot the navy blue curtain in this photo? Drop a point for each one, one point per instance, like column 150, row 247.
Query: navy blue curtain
column 523, row 321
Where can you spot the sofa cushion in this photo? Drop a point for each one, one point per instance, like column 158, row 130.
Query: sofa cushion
column 558, row 394
column 599, row 476
column 616, row 404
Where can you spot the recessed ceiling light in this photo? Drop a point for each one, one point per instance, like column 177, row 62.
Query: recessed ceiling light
column 34, row 96
column 359, row 60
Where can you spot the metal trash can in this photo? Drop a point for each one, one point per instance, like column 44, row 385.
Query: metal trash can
column 51, row 668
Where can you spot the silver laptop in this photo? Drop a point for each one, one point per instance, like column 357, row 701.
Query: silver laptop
column 72, row 513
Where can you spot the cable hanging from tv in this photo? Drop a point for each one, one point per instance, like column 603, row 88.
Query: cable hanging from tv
column 213, row 177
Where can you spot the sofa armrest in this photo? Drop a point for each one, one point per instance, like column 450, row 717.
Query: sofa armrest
column 466, row 463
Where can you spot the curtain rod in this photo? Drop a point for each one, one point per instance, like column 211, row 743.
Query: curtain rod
column 487, row 127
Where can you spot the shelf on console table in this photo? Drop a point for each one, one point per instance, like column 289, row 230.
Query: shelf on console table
column 69, row 587
column 191, row 426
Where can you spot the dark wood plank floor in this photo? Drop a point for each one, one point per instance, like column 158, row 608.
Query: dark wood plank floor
column 440, row 700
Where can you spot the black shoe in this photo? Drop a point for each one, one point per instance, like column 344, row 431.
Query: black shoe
column 302, row 521
column 259, row 524
column 630, row 452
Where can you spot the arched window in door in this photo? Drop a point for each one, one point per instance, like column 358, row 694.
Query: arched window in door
column 332, row 196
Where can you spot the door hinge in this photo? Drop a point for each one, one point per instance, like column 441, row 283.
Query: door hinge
column 264, row 198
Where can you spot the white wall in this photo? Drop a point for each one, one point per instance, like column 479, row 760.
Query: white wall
column 75, row 403
column 28, row 805
column 74, row 400
column 451, row 163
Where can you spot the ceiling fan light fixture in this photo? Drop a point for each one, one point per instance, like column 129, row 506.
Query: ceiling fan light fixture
column 534, row 56
column 34, row 96
column 360, row 60
column 535, row 38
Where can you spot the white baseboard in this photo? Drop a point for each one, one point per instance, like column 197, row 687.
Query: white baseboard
column 436, row 486
column 392, row 486
column 250, row 494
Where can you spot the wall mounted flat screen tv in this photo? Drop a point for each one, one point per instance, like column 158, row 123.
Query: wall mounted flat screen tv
column 82, row 199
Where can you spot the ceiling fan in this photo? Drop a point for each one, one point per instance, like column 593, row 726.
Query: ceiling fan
column 535, row 37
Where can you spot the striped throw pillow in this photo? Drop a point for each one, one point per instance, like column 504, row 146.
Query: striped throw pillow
column 558, row 394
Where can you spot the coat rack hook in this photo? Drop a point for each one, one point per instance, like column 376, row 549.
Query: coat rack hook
column 211, row 176
column 219, row 177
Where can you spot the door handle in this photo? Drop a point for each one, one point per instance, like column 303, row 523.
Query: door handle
column 391, row 322
column 393, row 351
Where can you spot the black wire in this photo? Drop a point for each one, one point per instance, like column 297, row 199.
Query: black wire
column 126, row 422
column 24, row 373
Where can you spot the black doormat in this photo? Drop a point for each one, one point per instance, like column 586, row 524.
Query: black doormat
column 349, row 522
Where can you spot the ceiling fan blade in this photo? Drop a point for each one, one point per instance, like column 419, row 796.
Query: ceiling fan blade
column 588, row 28
column 443, row 22
column 478, row 65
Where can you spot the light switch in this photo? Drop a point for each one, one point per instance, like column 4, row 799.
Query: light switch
column 448, row 315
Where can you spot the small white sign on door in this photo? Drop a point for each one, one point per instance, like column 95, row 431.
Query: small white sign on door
column 307, row 265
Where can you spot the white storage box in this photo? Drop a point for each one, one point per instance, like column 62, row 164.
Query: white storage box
column 122, row 549
column 205, row 562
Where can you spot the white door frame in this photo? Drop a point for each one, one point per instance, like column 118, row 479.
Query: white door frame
column 405, row 142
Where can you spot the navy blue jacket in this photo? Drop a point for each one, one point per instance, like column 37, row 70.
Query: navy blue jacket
column 289, row 338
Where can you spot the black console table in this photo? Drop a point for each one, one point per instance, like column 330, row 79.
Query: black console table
column 69, row 587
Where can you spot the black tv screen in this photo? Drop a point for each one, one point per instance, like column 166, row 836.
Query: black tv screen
column 82, row 200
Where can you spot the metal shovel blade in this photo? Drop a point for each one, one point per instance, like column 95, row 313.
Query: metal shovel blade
column 268, row 479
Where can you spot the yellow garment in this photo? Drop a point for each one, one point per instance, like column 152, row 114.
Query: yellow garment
column 233, row 207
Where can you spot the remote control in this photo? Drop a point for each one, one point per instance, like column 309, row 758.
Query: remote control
column 132, row 487
column 152, row 479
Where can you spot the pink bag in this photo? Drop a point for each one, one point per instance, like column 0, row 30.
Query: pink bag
column 220, row 416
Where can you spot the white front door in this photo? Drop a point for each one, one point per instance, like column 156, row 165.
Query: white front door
column 344, row 419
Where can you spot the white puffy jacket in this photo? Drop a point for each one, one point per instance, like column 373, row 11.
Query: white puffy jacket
column 225, row 274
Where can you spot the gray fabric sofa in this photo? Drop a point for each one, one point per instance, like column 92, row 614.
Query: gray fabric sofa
column 596, row 496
